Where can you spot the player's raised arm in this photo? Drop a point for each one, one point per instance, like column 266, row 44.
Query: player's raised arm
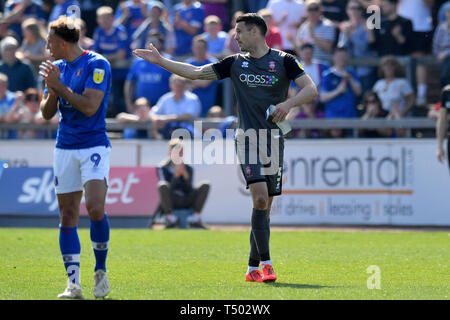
column 205, row 72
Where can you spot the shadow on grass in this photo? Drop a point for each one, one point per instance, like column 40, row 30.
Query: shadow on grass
column 297, row 285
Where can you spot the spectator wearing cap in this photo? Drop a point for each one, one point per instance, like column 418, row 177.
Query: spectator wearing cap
column 145, row 79
column 318, row 31
column 441, row 45
column 206, row 90
column 154, row 23
column 215, row 37
column 19, row 73
column 187, row 19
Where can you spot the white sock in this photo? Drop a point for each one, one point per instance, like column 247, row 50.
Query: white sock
column 250, row 269
column 269, row 262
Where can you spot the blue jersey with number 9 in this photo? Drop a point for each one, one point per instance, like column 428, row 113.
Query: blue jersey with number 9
column 76, row 130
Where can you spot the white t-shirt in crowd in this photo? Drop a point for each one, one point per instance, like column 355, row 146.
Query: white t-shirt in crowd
column 394, row 92
column 418, row 13
column 295, row 10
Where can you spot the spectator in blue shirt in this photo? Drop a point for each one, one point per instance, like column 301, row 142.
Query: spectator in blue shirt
column 146, row 79
column 206, row 90
column 112, row 42
column 215, row 37
column 188, row 21
column 20, row 74
column 65, row 8
column 131, row 14
column 177, row 108
column 17, row 11
column 339, row 90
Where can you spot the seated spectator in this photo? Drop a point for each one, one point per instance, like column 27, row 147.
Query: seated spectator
column 273, row 36
column 372, row 109
column 176, row 188
column 141, row 113
column 17, row 11
column 231, row 45
column 206, row 90
column 441, row 46
column 215, row 37
column 7, row 98
column 84, row 41
column 318, row 31
column 63, row 8
column 354, row 37
column 339, row 90
column 394, row 90
column 309, row 111
column 26, row 110
column 177, row 108
column 187, row 20
column 146, row 79
column 20, row 74
column 34, row 43
column 131, row 14
column 288, row 15
column 112, row 42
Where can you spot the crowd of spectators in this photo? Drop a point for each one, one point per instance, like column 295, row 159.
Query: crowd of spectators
column 324, row 34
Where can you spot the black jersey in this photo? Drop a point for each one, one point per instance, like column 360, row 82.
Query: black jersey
column 258, row 83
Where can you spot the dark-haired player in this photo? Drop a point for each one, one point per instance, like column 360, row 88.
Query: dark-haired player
column 77, row 85
column 261, row 77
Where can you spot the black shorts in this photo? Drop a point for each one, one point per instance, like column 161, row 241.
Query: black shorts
column 269, row 170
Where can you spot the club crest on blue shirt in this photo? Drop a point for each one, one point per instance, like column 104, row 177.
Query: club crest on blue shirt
column 98, row 75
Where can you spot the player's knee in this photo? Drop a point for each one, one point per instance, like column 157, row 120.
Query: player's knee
column 260, row 202
column 95, row 210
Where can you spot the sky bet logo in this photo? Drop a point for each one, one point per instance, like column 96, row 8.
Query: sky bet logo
column 255, row 80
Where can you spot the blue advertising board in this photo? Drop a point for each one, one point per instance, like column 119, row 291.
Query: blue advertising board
column 27, row 191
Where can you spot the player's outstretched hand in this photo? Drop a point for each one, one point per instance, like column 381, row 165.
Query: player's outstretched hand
column 151, row 54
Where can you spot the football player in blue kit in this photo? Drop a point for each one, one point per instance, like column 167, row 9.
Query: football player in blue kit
column 77, row 85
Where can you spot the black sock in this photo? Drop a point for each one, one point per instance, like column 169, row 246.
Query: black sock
column 260, row 232
column 253, row 261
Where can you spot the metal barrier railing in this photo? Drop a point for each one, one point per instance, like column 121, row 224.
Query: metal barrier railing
column 113, row 125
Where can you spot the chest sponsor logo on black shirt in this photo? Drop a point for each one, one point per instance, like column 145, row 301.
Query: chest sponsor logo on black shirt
column 255, row 80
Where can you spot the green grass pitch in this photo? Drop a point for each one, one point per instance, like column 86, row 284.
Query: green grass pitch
column 211, row 264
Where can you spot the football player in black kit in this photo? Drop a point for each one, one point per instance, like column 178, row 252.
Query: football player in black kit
column 261, row 77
